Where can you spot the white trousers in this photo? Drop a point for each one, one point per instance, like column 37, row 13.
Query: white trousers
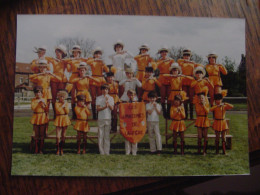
column 130, row 147
column 154, row 136
column 104, row 127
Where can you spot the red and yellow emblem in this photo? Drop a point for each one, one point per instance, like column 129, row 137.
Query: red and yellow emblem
column 132, row 121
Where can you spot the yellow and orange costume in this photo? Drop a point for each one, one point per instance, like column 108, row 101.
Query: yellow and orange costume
column 142, row 62
column 214, row 71
column 40, row 116
column 44, row 80
column 82, row 119
column 149, row 85
column 164, row 68
column 35, row 62
column 177, row 123
column 202, row 115
column 113, row 91
column 62, row 118
column 201, row 86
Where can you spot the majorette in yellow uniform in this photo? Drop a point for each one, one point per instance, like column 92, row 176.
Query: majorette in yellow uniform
column 41, row 52
column 81, row 126
column 82, row 83
column 40, row 118
column 187, row 67
column 220, row 124
column 143, row 60
column 59, row 70
column 202, row 122
column 44, row 79
column 164, row 68
column 177, row 114
column 149, row 83
column 97, row 67
column 202, row 85
column 62, row 120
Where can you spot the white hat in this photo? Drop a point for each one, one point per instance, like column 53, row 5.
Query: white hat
column 212, row 54
column 199, row 68
column 76, row 48
column 82, row 65
column 129, row 70
column 41, row 48
column 175, row 65
column 42, row 62
column 186, row 51
column 144, row 46
column 163, row 48
column 62, row 48
column 119, row 42
column 97, row 49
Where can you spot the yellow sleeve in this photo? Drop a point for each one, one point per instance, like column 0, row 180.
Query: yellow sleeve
column 193, row 83
column 228, row 106
column 74, row 80
column 222, row 69
column 182, row 112
column 33, row 78
column 58, row 108
column 55, row 78
column 206, row 107
column 34, row 104
column 158, row 83
column 67, row 108
column 213, row 108
column 105, row 68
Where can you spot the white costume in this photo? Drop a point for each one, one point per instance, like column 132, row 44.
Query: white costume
column 118, row 61
column 153, row 128
column 104, row 123
column 129, row 84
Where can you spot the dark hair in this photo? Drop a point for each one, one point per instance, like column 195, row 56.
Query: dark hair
column 117, row 45
column 178, row 97
column 202, row 93
column 148, row 69
column 104, row 87
column 152, row 94
column 81, row 97
column 63, row 54
column 218, row 96
column 36, row 89
column 198, row 71
column 97, row 52
column 110, row 74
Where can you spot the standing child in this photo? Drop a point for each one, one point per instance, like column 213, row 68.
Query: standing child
column 39, row 118
column 153, row 110
column 164, row 64
column 81, row 126
column 202, row 122
column 62, row 120
column 131, row 147
column 113, row 92
column 97, row 67
column 105, row 104
column 148, row 84
column 178, row 126
column 129, row 83
column 220, row 124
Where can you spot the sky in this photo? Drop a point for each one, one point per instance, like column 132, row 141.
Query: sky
column 224, row 36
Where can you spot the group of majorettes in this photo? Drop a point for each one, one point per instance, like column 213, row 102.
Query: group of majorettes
column 181, row 83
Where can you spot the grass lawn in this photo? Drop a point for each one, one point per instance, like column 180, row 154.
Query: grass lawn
column 118, row 164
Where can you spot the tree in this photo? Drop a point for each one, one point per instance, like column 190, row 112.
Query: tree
column 86, row 45
column 242, row 75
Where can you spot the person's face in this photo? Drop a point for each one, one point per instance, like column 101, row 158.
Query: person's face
column 42, row 69
column 109, row 79
column 174, row 71
column 58, row 54
column 152, row 99
column 186, row 57
column 61, row 99
column 76, row 54
column 82, row 72
column 212, row 60
column 218, row 102
column 104, row 91
column 119, row 48
column 41, row 53
column 97, row 55
column 163, row 54
column 81, row 103
column 131, row 96
column 201, row 98
column 143, row 51
column 199, row 75
column 129, row 75
column 149, row 74
column 38, row 94
column 176, row 103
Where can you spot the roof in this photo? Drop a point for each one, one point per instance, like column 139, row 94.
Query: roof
column 23, row 68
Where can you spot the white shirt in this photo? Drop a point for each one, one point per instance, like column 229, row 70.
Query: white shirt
column 101, row 101
column 154, row 116
column 129, row 85
column 118, row 61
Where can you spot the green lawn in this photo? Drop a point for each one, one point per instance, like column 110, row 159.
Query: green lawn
column 118, row 164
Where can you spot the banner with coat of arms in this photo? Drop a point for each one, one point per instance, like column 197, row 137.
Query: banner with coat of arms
column 132, row 118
